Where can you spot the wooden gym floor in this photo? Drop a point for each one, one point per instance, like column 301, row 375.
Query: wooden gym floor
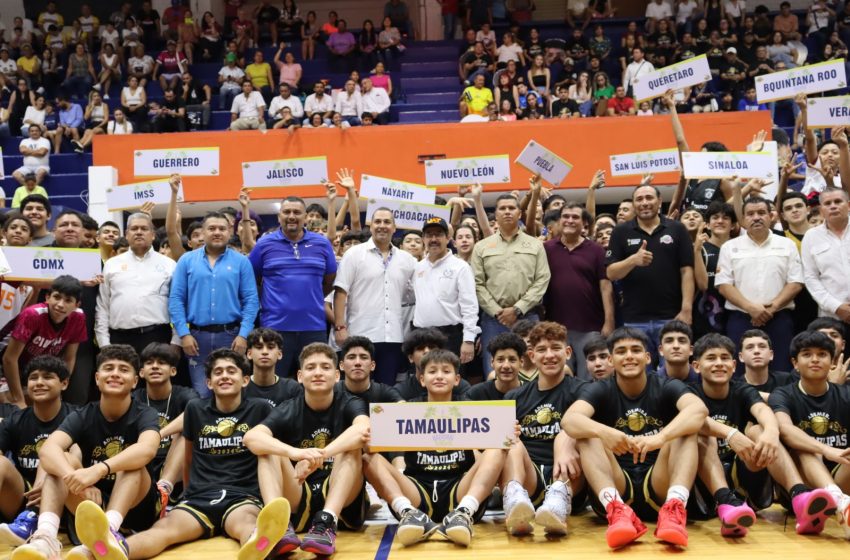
column 769, row 538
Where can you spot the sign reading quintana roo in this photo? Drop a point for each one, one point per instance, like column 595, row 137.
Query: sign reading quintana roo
column 828, row 112
column 676, row 76
column 47, row 263
column 189, row 162
column 442, row 425
column 408, row 215
column 462, row 171
column 539, row 160
column 297, row 172
column 390, row 189
column 720, row 165
column 128, row 197
column 814, row 78
column 640, row 163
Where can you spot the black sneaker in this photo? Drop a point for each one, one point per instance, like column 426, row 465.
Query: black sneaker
column 321, row 538
column 415, row 526
column 457, row 526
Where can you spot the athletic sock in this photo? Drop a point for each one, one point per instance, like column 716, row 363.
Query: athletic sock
column 48, row 523
column 798, row 489
column 836, row 492
column 559, row 484
column 513, row 487
column 678, row 492
column 469, row 503
column 332, row 514
column 608, row 495
column 166, row 485
column 401, row 504
column 115, row 519
column 727, row 497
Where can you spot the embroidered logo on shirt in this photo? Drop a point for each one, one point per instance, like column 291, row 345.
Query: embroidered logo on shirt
column 666, row 240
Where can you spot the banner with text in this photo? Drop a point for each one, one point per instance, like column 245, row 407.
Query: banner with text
column 641, row 163
column 814, row 78
column 390, row 189
column 539, row 160
column 298, row 172
column 442, row 425
column 721, row 165
column 129, row 197
column 190, row 162
column 676, row 76
column 47, row 263
column 408, row 215
column 466, row 171
column 828, row 112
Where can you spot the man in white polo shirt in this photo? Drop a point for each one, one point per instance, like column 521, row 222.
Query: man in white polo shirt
column 375, row 101
column 36, row 152
column 248, row 109
column 760, row 274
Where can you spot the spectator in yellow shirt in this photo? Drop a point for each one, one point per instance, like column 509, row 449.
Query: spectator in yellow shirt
column 29, row 187
column 475, row 98
column 29, row 67
column 260, row 74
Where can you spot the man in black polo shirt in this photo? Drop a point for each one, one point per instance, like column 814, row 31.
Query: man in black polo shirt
column 653, row 258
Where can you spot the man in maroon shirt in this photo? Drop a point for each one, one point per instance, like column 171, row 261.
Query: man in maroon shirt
column 579, row 295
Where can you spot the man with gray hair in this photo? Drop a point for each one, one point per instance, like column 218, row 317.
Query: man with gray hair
column 132, row 307
column 826, row 256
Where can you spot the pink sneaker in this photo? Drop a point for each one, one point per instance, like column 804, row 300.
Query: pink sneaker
column 812, row 509
column 735, row 521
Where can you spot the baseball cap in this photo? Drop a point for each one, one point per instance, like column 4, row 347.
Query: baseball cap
column 732, row 50
column 231, row 57
column 436, row 222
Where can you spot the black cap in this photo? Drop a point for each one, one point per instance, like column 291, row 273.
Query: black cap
column 438, row 222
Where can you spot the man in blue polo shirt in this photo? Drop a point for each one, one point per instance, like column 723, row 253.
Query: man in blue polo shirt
column 213, row 301
column 297, row 268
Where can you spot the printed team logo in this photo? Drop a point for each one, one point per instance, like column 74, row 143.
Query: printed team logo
column 544, row 423
column 225, row 427
column 820, row 424
column 109, row 448
column 666, row 240
column 318, row 439
column 637, row 420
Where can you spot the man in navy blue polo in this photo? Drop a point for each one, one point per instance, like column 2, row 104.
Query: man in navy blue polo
column 297, row 268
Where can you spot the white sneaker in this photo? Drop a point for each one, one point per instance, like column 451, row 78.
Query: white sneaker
column 519, row 512
column 106, row 97
column 375, row 502
column 40, row 546
column 556, row 507
column 96, row 87
column 842, row 515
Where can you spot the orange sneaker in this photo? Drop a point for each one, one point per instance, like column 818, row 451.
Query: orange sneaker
column 623, row 525
column 671, row 523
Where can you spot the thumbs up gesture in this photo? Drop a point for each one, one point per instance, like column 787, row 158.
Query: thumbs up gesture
column 643, row 257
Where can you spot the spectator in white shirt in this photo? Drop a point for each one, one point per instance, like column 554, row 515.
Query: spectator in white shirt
column 656, row 10
column 760, row 274
column 373, row 284
column 507, row 51
column 735, row 12
column 33, row 115
column 230, row 79
column 376, row 102
column 248, row 109
column 318, row 102
column 132, row 306
column 140, row 65
column 349, row 104
column 447, row 284
column 637, row 68
column 826, row 256
column 284, row 100
column 36, row 152
column 119, row 124
column 8, row 69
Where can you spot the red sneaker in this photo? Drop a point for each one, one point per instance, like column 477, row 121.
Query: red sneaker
column 622, row 529
column 671, row 523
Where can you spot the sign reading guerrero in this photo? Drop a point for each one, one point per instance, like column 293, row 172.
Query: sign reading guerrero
column 720, row 165
column 460, row 171
column 297, row 172
column 128, row 197
column 442, row 425
column 539, row 160
column 814, row 78
column 828, row 112
column 189, row 162
column 47, row 263
column 408, row 215
column 390, row 189
column 676, row 76
column 641, row 163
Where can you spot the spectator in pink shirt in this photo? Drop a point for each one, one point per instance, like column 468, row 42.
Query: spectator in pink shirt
column 289, row 70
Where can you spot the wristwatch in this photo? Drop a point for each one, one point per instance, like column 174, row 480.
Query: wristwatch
column 517, row 311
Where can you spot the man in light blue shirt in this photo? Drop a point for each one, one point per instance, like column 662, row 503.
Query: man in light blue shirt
column 70, row 121
column 213, row 300
column 298, row 268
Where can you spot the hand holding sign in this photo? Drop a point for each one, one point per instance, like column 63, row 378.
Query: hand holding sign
column 147, row 208
column 839, row 136
column 598, row 180
column 174, row 182
column 642, row 257
column 800, row 100
column 476, row 191
column 668, row 100
column 244, row 199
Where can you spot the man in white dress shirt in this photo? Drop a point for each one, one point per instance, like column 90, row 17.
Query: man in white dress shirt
column 760, row 274
column 248, row 109
column 446, row 286
column 826, row 256
column 375, row 101
column 318, row 102
column 132, row 307
column 372, row 283
column 638, row 68
column 285, row 99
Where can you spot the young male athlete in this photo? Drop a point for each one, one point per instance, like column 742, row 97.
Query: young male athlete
column 417, row 343
column 598, row 358
column 756, row 353
column 357, row 365
column 834, row 329
column 265, row 350
column 543, row 470
column 22, row 435
column 507, row 351
column 117, row 437
column 309, row 452
column 448, row 485
column 814, row 416
column 637, row 437
column 221, row 487
column 159, row 364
